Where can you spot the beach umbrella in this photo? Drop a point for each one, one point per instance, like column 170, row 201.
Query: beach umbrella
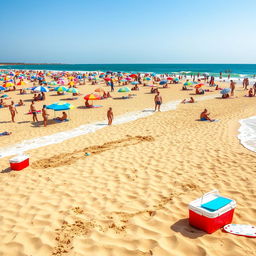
column 61, row 82
column 199, row 85
column 147, row 78
column 123, row 80
column 60, row 106
column 21, row 83
column 72, row 90
column 124, row 89
column 225, row 91
column 163, row 82
column 128, row 78
column 133, row 75
column 135, row 82
column 2, row 88
column 53, row 83
column 169, row 78
column 61, row 89
column 176, row 79
column 40, row 89
column 71, row 83
column 188, row 83
column 8, row 84
column 92, row 96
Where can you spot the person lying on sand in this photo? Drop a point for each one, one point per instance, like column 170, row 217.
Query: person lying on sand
column 188, row 101
column 204, row 116
column 64, row 117
column 199, row 91
column 5, row 133
column 21, row 103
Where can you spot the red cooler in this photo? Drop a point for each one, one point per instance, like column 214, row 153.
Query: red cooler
column 20, row 162
column 211, row 211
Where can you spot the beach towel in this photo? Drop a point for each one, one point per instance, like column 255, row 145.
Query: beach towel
column 30, row 113
column 61, row 121
column 241, row 230
column 216, row 204
column 95, row 106
column 215, row 120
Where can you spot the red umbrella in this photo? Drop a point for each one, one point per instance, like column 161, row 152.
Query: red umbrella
column 169, row 78
column 133, row 75
column 107, row 79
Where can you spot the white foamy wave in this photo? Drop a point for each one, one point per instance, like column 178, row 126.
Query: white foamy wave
column 247, row 133
column 81, row 130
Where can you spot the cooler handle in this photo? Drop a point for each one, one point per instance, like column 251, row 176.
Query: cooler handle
column 214, row 191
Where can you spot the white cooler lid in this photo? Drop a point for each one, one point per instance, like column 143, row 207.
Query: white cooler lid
column 18, row 159
column 195, row 205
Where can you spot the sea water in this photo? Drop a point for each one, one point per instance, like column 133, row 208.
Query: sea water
column 247, row 133
column 235, row 70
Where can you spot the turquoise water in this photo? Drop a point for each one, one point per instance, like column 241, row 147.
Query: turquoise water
column 237, row 70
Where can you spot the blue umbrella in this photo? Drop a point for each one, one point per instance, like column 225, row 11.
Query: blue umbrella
column 2, row 88
column 40, row 89
column 225, row 91
column 60, row 106
column 135, row 82
column 163, row 82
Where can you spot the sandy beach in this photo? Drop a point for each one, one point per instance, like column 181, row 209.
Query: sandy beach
column 130, row 196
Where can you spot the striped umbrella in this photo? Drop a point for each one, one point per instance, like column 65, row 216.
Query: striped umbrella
column 199, row 85
column 41, row 89
column 187, row 83
column 61, row 89
column 8, row 84
column 92, row 96
column 72, row 90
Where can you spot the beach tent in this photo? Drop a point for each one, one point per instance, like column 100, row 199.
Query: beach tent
column 60, row 106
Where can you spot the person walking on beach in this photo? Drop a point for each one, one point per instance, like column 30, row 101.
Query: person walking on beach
column 33, row 111
column 45, row 115
column 158, row 101
column 232, row 87
column 110, row 116
column 13, row 111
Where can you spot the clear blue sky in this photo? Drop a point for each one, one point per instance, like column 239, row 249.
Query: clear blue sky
column 128, row 31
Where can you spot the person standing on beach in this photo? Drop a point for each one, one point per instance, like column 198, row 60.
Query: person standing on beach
column 33, row 111
column 45, row 115
column 232, row 87
column 158, row 101
column 254, row 89
column 112, row 85
column 13, row 111
column 110, row 116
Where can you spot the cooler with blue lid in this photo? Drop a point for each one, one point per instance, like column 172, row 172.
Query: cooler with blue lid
column 211, row 211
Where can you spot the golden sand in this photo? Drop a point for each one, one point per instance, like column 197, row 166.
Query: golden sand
column 131, row 195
